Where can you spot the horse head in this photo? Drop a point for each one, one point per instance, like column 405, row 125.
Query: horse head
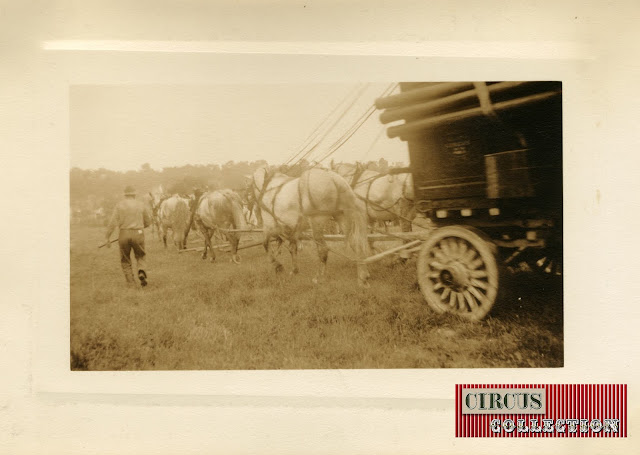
column 258, row 180
column 261, row 179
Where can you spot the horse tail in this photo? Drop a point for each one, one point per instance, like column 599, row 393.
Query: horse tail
column 182, row 216
column 356, row 223
column 355, row 217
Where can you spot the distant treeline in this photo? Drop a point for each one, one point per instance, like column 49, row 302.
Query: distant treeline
column 94, row 192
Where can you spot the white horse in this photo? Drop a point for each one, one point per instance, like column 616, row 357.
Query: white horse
column 385, row 197
column 153, row 199
column 218, row 211
column 290, row 205
column 174, row 214
column 250, row 216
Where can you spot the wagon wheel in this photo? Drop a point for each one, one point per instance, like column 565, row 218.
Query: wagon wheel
column 546, row 261
column 457, row 272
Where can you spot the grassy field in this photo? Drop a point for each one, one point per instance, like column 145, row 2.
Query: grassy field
column 200, row 315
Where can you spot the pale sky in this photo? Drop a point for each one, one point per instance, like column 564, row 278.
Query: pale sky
column 120, row 127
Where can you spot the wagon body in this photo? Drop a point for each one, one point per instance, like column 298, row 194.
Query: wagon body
column 505, row 154
column 486, row 160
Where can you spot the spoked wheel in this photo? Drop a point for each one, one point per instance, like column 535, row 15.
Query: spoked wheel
column 546, row 261
column 457, row 272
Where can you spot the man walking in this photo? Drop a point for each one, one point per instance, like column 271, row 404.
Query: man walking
column 131, row 217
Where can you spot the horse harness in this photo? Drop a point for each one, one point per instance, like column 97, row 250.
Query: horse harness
column 371, row 180
column 258, row 199
column 271, row 211
column 356, row 176
column 155, row 208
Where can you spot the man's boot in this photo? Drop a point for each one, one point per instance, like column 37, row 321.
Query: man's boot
column 142, row 276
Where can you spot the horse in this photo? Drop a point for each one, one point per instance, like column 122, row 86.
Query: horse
column 220, row 210
column 250, row 216
column 174, row 214
column 249, row 207
column 385, row 196
column 153, row 199
column 147, row 200
column 290, row 205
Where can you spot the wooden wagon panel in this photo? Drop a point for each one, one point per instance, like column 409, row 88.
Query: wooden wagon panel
column 481, row 144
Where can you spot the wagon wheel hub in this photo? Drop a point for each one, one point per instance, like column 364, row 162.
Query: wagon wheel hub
column 457, row 272
column 455, row 276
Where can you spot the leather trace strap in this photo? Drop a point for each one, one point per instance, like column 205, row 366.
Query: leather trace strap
column 357, row 173
column 263, row 190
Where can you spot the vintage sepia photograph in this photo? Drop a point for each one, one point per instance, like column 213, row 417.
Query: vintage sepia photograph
column 319, row 227
column 316, row 225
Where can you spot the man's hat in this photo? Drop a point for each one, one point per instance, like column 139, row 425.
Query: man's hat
column 129, row 191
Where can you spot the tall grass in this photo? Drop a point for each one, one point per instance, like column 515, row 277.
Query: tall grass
column 200, row 315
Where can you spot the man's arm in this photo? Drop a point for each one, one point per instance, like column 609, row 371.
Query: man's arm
column 113, row 223
column 146, row 217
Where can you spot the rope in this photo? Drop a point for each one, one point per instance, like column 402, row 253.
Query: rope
column 351, row 131
column 315, row 132
column 378, row 136
column 332, row 126
column 348, row 134
column 328, row 130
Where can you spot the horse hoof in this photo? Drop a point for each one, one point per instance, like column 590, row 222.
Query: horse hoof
column 235, row 259
column 293, row 272
column 364, row 284
column 279, row 268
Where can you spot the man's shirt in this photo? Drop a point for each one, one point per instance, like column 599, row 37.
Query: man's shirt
column 129, row 214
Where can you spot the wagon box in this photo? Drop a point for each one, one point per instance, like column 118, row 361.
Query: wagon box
column 498, row 140
column 486, row 159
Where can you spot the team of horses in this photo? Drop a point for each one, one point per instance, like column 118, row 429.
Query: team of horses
column 287, row 208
